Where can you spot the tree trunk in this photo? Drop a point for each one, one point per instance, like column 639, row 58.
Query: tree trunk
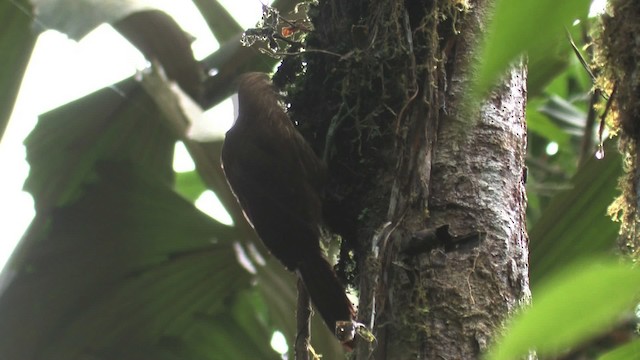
column 427, row 191
column 619, row 54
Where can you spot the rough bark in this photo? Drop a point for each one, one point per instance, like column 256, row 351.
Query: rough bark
column 472, row 287
column 426, row 191
column 619, row 57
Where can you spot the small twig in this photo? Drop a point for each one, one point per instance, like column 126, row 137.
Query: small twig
column 306, row 52
column 587, row 139
column 583, row 61
column 581, row 58
column 303, row 321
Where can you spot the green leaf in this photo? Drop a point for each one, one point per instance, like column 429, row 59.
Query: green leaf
column 562, row 110
column 116, row 265
column 190, row 185
column 78, row 18
column 106, row 125
column 543, row 68
column 625, row 352
column 223, row 26
column 575, row 224
column 541, row 125
column 160, row 39
column 16, row 43
column 577, row 303
column 573, row 83
column 128, row 265
column 530, row 26
column 278, row 288
column 550, row 70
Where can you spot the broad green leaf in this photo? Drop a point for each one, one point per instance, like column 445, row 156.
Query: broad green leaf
column 124, row 124
column 526, row 26
column 543, row 68
column 223, row 26
column 152, row 31
column 625, row 352
column 160, row 39
column 278, row 287
column 16, row 43
column 128, row 265
column 549, row 71
column 190, row 185
column 108, row 124
column 573, row 83
column 562, row 110
column 118, row 266
column 542, row 126
column 77, row 18
column 575, row 224
column 575, row 304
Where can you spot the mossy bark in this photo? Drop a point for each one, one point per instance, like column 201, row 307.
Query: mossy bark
column 426, row 191
column 619, row 57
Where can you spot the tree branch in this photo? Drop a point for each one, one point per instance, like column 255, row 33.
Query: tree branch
column 303, row 317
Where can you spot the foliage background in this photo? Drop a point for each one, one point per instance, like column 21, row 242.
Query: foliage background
column 118, row 262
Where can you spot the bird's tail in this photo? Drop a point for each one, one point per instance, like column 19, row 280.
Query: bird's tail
column 326, row 292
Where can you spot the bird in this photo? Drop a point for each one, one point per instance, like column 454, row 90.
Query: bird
column 278, row 180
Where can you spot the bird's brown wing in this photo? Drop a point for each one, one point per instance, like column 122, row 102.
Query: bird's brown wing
column 274, row 192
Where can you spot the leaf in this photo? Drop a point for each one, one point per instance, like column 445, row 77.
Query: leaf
column 67, row 142
column 107, row 126
column 77, row 18
column 527, row 26
column 625, row 352
column 232, row 59
column 556, row 64
column 159, row 37
column 573, row 83
column 190, row 185
column 278, row 288
column 575, row 224
column 128, row 264
column 223, row 26
column 153, row 32
column 562, row 110
column 578, row 302
column 109, row 270
column 543, row 68
column 16, row 43
column 541, row 125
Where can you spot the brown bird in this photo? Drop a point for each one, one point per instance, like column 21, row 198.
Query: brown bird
column 278, row 181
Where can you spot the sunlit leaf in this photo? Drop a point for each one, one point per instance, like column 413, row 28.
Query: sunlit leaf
column 16, row 43
column 77, row 18
column 67, row 142
column 223, row 26
column 517, row 27
column 190, row 185
column 159, row 37
column 577, row 303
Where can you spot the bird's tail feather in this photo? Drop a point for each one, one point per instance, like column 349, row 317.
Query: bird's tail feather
column 326, row 292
